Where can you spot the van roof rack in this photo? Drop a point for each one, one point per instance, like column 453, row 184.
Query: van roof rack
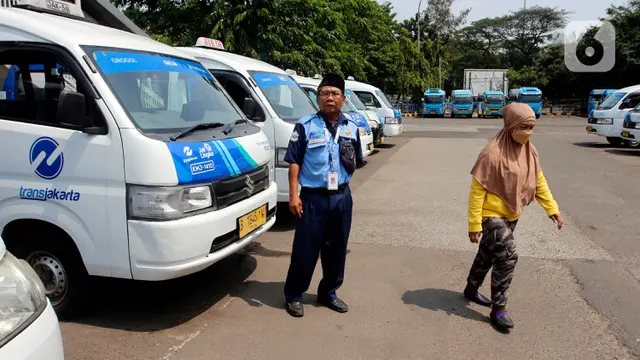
column 291, row 72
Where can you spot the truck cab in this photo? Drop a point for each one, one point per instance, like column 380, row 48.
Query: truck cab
column 267, row 94
column 531, row 96
column 310, row 85
column 131, row 160
column 434, row 102
column 461, row 103
column 491, row 104
column 607, row 120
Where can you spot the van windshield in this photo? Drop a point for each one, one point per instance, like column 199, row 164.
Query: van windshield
column 611, row 101
column 462, row 99
column 355, row 100
column 285, row 95
column 499, row 99
column 164, row 94
column 384, row 99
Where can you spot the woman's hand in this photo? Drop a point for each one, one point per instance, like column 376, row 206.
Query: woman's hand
column 557, row 219
column 474, row 237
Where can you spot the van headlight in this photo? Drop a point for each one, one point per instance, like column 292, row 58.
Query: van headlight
column 22, row 297
column 167, row 203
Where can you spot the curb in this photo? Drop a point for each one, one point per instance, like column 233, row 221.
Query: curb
column 410, row 114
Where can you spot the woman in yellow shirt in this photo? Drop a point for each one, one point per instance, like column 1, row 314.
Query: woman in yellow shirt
column 506, row 177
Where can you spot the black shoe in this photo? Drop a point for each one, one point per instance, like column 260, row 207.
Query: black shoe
column 476, row 297
column 295, row 309
column 335, row 305
column 501, row 319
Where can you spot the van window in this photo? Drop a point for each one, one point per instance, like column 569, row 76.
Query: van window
column 384, row 99
column 31, row 82
column 285, row 95
column 163, row 94
column 631, row 101
column 312, row 94
column 355, row 100
column 368, row 99
column 611, row 101
column 236, row 86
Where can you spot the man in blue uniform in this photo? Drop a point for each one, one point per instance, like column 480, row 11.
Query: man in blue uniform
column 324, row 151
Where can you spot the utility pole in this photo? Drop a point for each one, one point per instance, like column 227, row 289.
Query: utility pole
column 440, row 71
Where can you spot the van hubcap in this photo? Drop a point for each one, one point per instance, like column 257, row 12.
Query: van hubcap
column 52, row 275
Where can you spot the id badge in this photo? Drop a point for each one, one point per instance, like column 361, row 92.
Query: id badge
column 332, row 181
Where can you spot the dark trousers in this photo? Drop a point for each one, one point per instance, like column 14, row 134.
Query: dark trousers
column 498, row 249
column 322, row 230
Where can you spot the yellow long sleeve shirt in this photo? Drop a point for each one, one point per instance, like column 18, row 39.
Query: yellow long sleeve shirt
column 485, row 204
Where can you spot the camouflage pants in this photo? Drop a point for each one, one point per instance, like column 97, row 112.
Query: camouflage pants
column 498, row 249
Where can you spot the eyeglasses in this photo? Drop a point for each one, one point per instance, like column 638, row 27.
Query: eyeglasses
column 326, row 94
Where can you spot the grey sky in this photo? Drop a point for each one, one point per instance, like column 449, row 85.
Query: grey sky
column 581, row 10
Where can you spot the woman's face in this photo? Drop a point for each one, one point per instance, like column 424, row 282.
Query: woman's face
column 527, row 125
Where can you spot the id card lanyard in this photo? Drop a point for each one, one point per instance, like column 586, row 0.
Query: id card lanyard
column 332, row 178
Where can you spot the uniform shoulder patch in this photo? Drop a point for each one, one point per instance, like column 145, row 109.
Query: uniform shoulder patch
column 306, row 119
column 294, row 136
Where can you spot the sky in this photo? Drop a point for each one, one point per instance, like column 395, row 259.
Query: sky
column 580, row 10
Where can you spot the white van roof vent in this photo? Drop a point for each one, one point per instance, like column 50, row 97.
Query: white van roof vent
column 350, row 78
column 209, row 43
column 68, row 8
column 291, row 72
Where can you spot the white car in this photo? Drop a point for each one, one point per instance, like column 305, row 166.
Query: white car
column 29, row 328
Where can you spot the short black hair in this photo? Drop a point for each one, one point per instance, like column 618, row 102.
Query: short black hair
column 332, row 79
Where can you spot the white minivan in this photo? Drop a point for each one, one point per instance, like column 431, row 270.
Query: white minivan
column 267, row 95
column 29, row 328
column 124, row 157
column 609, row 116
column 375, row 99
column 310, row 85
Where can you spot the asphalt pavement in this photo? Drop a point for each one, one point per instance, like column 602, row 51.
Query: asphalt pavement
column 575, row 293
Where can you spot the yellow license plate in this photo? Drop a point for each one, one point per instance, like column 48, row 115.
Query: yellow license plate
column 370, row 147
column 382, row 139
column 433, row 112
column 589, row 128
column 625, row 134
column 252, row 220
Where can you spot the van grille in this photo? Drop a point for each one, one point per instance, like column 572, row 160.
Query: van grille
column 235, row 189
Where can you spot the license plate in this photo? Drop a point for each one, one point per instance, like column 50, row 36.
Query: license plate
column 589, row 128
column 370, row 147
column 625, row 134
column 382, row 139
column 400, row 128
column 433, row 112
column 252, row 220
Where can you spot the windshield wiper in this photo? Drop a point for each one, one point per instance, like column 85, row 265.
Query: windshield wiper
column 202, row 126
column 227, row 129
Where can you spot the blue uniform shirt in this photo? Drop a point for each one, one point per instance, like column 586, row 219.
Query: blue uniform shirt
column 311, row 144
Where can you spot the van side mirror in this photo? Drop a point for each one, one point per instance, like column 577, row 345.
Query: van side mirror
column 72, row 109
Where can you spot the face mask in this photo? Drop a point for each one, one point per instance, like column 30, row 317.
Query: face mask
column 522, row 136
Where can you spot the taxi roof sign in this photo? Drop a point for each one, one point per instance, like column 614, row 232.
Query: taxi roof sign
column 69, row 8
column 210, row 43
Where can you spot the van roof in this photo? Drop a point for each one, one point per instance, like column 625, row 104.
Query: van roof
column 357, row 85
column 36, row 26
column 306, row 80
column 629, row 89
column 237, row 62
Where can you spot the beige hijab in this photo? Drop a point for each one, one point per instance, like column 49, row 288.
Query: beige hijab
column 506, row 168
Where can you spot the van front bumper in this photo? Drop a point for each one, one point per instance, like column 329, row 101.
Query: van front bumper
column 162, row 250
column 392, row 129
column 630, row 134
column 40, row 340
column 602, row 130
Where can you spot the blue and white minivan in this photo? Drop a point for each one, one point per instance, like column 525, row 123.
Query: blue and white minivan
column 267, row 94
column 129, row 160
column 375, row 99
column 608, row 118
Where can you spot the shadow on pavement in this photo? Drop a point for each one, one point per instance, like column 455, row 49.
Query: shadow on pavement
column 146, row 306
column 256, row 248
column 385, row 146
column 624, row 152
column 451, row 302
column 257, row 294
column 594, row 145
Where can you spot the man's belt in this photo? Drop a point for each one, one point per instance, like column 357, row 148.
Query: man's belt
column 341, row 189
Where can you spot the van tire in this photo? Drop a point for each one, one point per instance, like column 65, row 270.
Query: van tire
column 45, row 257
column 615, row 141
column 632, row 144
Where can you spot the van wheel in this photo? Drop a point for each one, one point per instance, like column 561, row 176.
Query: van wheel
column 614, row 141
column 632, row 144
column 62, row 272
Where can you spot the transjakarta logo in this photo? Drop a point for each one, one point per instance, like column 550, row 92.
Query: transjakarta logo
column 47, row 160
